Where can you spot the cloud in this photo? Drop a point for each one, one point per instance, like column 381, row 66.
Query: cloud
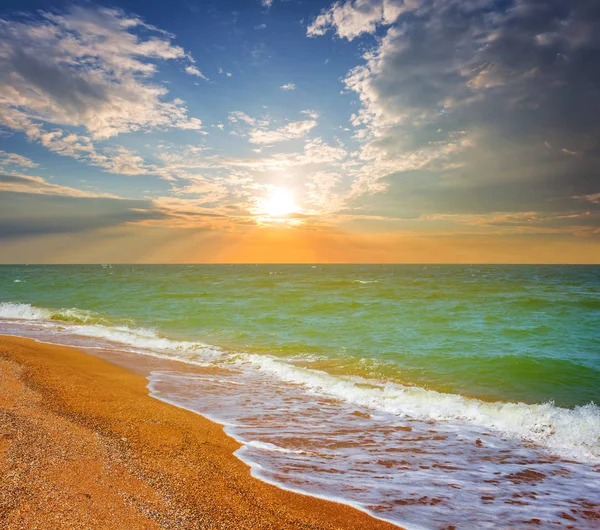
column 112, row 159
column 87, row 67
column 14, row 159
column 288, row 87
column 466, row 108
column 354, row 17
column 191, row 158
column 122, row 161
column 262, row 131
column 291, row 131
column 237, row 116
column 27, row 215
column 192, row 70
column 19, row 183
column 266, row 3
column 316, row 151
column 579, row 223
column 321, row 192
column 208, row 181
column 176, row 212
column 595, row 198
column 312, row 114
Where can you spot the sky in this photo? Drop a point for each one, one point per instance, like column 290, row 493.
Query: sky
column 248, row 131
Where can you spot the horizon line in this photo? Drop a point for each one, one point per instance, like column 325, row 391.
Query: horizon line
column 302, row 263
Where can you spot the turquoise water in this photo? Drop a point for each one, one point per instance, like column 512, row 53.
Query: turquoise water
column 431, row 396
column 511, row 333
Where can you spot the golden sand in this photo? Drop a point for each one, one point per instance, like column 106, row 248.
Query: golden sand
column 83, row 446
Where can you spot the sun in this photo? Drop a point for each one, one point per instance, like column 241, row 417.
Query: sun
column 280, row 203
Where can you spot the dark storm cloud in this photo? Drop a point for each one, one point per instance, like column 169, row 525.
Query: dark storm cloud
column 23, row 214
column 480, row 106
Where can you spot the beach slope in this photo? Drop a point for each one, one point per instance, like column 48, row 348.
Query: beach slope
column 82, row 445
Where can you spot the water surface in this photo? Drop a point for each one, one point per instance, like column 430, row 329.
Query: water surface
column 429, row 395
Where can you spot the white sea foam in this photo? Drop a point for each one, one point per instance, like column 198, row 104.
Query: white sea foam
column 142, row 338
column 571, row 433
column 23, row 311
column 28, row 312
column 401, row 469
column 265, row 446
column 89, row 324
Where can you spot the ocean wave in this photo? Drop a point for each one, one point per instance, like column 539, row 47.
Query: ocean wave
column 569, row 433
column 23, row 311
column 146, row 339
column 90, row 324
column 28, row 312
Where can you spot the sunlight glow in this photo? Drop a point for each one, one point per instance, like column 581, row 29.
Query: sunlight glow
column 280, row 203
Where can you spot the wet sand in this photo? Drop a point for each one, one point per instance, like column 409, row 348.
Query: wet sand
column 83, row 446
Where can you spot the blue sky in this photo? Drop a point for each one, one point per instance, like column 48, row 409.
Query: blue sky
column 365, row 130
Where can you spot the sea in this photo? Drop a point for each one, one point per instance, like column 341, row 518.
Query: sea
column 431, row 396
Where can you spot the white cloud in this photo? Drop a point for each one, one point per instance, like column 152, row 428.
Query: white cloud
column 237, row 116
column 124, row 162
column 288, row 86
column 312, row 114
column 192, row 70
column 14, row 159
column 352, row 18
column 291, row 131
column 266, row 3
column 209, row 190
column 113, row 159
column 321, row 192
column 86, row 67
column 318, row 152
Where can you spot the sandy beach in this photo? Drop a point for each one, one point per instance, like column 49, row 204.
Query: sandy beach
column 82, row 445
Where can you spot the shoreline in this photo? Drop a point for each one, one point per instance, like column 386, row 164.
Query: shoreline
column 83, row 444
